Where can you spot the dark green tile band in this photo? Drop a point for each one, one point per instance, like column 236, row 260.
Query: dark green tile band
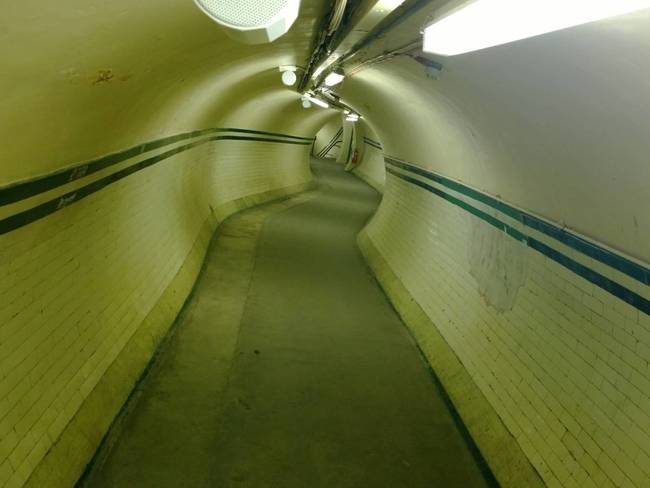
column 605, row 256
column 27, row 189
column 352, row 137
column 321, row 153
column 375, row 144
column 26, row 217
column 590, row 275
column 328, row 147
column 337, row 144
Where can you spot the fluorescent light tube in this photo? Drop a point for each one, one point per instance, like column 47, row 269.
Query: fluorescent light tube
column 484, row 23
column 318, row 71
column 317, row 101
column 334, row 78
column 388, row 5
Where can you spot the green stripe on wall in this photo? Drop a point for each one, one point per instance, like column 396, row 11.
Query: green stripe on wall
column 375, row 144
column 323, row 152
column 38, row 212
column 614, row 288
column 591, row 249
column 27, row 189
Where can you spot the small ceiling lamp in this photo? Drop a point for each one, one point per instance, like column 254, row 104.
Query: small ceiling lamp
column 288, row 75
column 352, row 117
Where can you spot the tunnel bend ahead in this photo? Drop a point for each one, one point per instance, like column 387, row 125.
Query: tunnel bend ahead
column 310, row 379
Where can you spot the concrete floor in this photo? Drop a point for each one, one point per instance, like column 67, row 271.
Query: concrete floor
column 289, row 368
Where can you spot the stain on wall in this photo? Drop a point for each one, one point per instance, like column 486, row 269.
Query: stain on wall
column 497, row 263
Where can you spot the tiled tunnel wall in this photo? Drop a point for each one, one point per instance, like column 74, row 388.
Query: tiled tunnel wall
column 328, row 139
column 558, row 342
column 98, row 253
column 511, row 237
column 371, row 166
column 106, row 268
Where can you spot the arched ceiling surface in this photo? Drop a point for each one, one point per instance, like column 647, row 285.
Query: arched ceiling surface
column 90, row 77
column 557, row 124
column 260, row 101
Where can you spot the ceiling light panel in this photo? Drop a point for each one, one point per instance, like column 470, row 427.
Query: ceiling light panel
column 480, row 24
column 334, row 78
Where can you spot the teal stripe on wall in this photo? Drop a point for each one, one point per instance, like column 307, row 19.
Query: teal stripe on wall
column 375, row 144
column 26, row 189
column 585, row 272
column 591, row 249
column 34, row 187
column 333, row 142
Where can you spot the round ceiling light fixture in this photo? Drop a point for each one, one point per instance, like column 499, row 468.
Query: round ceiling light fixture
column 289, row 77
column 252, row 21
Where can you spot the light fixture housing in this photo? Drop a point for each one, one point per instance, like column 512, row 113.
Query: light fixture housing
column 289, row 77
column 334, row 78
column 252, row 21
column 479, row 24
column 317, row 101
column 351, row 116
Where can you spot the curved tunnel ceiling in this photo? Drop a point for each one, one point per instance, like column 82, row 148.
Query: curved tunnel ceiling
column 94, row 77
column 555, row 124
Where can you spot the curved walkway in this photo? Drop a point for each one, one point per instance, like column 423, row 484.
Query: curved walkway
column 289, row 368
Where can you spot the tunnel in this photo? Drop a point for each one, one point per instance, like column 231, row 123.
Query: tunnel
column 352, row 247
